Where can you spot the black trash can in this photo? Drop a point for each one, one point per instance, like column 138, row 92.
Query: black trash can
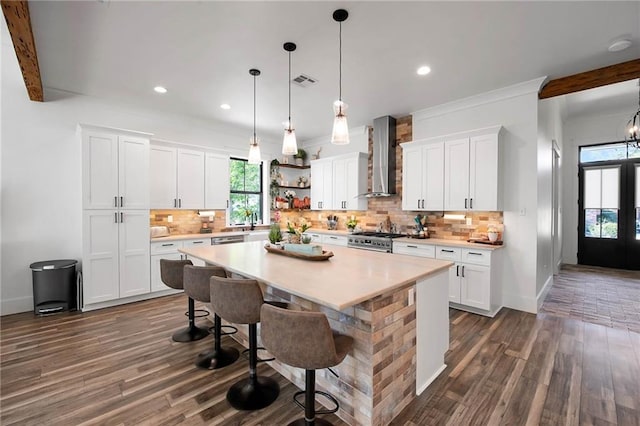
column 54, row 286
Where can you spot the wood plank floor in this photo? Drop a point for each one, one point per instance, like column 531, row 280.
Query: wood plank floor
column 118, row 366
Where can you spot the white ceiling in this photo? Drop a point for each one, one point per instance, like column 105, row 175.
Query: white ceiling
column 202, row 51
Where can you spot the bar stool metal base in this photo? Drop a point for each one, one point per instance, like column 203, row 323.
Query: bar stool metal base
column 253, row 393
column 217, row 358
column 316, row 422
column 190, row 334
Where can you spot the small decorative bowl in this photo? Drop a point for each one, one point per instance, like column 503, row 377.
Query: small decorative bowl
column 305, row 239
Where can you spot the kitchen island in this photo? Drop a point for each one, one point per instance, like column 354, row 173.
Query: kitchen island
column 395, row 308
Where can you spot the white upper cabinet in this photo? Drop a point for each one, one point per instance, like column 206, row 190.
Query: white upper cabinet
column 216, row 184
column 423, row 176
column 473, row 172
column 349, row 181
column 337, row 181
column 322, row 184
column 115, row 170
column 190, row 179
column 177, row 178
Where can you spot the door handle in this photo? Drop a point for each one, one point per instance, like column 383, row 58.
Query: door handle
column 175, row 202
column 462, row 271
column 470, row 203
column 446, row 251
column 457, row 270
column 121, row 201
column 423, row 203
column 475, row 254
column 418, row 202
column 121, row 217
column 180, row 202
column 197, row 242
column 115, row 217
column 465, row 203
column 115, row 201
column 167, row 245
column 415, row 247
column 227, row 203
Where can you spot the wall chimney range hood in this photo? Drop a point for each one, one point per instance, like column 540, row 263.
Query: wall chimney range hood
column 383, row 161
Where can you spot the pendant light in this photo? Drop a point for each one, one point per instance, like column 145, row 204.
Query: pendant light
column 340, row 134
column 289, row 144
column 254, row 147
column 633, row 126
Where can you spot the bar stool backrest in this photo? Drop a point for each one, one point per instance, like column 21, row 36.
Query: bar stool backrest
column 197, row 279
column 236, row 300
column 172, row 272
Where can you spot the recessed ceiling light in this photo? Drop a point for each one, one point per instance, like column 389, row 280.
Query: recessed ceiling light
column 225, row 106
column 160, row 89
column 424, row 70
column 619, row 45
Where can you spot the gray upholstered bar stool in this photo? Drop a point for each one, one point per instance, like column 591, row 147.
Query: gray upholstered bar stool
column 304, row 340
column 172, row 274
column 197, row 286
column 239, row 301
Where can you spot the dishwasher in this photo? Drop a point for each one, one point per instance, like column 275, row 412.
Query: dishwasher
column 227, row 240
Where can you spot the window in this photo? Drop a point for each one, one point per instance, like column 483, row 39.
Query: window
column 601, row 201
column 246, row 191
column 608, row 152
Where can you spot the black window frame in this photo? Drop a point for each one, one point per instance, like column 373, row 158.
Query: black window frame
column 260, row 193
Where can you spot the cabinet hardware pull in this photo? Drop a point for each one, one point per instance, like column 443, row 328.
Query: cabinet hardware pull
column 423, row 203
column 121, row 201
column 446, row 251
column 457, row 270
column 412, row 246
column 197, row 242
column 227, row 203
column 175, row 202
column 121, row 217
column 465, row 203
column 115, row 201
column 167, row 245
column 475, row 254
column 180, row 202
column 116, row 217
column 470, row 203
column 462, row 271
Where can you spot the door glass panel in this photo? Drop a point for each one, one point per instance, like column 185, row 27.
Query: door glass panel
column 634, row 152
column 638, row 224
column 591, row 224
column 609, row 223
column 617, row 151
column 637, row 185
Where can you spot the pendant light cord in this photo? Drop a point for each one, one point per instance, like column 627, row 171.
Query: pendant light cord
column 340, row 73
column 255, row 141
column 289, row 82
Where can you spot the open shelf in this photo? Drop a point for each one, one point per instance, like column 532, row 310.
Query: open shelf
column 293, row 166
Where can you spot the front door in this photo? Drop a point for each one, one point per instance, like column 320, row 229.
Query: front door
column 609, row 213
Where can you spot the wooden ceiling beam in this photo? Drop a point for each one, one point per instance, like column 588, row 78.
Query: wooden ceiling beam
column 591, row 79
column 16, row 13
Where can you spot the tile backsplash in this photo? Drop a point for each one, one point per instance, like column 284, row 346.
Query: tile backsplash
column 186, row 221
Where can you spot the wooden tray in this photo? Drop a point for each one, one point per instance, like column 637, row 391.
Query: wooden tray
column 487, row 242
column 324, row 256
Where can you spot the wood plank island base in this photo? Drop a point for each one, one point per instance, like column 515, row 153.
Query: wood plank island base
column 394, row 306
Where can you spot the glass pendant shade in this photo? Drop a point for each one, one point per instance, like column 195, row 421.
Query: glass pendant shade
column 340, row 134
column 289, row 144
column 254, row 151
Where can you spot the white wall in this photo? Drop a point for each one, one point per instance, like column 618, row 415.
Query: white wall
column 549, row 129
column 358, row 142
column 516, row 109
column 608, row 127
column 41, row 172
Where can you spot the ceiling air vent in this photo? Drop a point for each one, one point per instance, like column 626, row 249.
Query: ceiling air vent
column 304, row 80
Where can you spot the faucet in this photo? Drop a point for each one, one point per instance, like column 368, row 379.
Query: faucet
column 254, row 218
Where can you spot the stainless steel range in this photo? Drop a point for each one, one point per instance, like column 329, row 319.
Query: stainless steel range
column 378, row 241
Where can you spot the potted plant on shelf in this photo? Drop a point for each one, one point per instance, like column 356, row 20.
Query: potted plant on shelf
column 300, row 156
column 289, row 194
column 351, row 224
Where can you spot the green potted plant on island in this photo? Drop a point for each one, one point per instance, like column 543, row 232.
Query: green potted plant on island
column 275, row 235
column 300, row 156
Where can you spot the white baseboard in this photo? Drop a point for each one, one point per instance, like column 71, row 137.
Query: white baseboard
column 426, row 384
column 16, row 305
column 543, row 292
column 519, row 303
column 116, row 302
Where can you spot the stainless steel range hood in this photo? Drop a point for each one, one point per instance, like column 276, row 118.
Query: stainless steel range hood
column 383, row 162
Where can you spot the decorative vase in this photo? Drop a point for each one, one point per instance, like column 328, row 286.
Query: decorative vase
column 299, row 162
column 290, row 203
column 493, row 236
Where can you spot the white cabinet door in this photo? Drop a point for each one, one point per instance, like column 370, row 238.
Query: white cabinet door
column 133, row 172
column 356, row 182
column 134, row 252
column 412, row 179
column 190, row 179
column 156, row 280
column 475, row 286
column 454, row 284
column 483, row 173
column 99, row 170
column 340, row 184
column 216, row 185
column 100, row 255
column 163, row 179
column 456, row 178
column 433, row 177
column 337, row 240
column 322, row 185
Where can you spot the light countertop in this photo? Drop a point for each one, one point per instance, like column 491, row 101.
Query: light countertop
column 443, row 242
column 178, row 237
column 348, row 278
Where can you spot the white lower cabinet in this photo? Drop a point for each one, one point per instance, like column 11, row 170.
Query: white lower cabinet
column 115, row 254
column 337, row 240
column 315, row 237
column 169, row 250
